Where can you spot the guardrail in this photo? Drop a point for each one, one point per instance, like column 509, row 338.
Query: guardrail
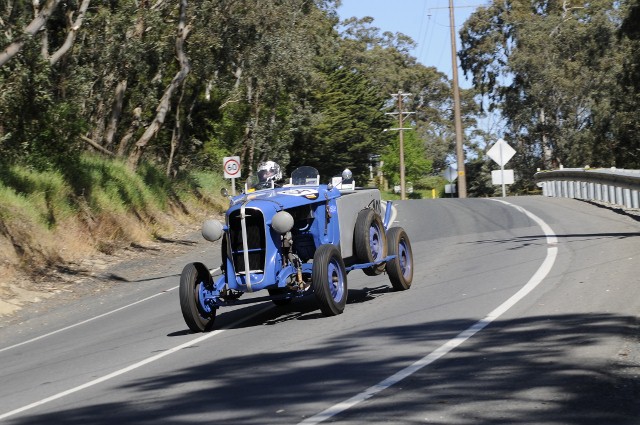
column 612, row 186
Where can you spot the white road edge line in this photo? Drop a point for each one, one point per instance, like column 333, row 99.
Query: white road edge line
column 536, row 279
column 91, row 319
column 131, row 367
column 85, row 321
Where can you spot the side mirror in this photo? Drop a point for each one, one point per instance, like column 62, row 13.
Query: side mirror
column 340, row 181
column 224, row 192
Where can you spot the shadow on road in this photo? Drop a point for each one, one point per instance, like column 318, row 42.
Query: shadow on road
column 519, row 371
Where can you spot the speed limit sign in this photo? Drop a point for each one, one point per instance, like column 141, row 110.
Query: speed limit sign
column 231, row 166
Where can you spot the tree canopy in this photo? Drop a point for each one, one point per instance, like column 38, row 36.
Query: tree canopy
column 561, row 75
column 182, row 84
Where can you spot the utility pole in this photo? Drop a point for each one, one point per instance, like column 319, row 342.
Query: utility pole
column 400, row 97
column 462, row 178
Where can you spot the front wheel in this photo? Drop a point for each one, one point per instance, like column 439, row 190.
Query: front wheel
column 329, row 280
column 198, row 317
column 400, row 269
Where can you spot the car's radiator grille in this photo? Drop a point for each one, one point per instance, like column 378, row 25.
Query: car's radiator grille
column 255, row 240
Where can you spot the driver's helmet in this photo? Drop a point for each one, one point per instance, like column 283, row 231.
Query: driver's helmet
column 269, row 171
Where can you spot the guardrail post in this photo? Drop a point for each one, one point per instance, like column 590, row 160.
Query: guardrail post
column 626, row 194
column 619, row 198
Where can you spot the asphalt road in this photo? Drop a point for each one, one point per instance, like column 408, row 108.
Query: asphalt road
column 515, row 316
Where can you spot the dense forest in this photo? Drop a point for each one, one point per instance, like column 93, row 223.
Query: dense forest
column 182, row 84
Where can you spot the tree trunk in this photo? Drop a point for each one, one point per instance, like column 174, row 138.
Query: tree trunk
column 176, row 136
column 115, row 113
column 165, row 102
column 97, row 146
column 252, row 140
column 98, row 121
column 547, row 149
column 30, row 30
column 71, row 35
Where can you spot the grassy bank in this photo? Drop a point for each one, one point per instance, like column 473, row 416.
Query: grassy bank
column 49, row 219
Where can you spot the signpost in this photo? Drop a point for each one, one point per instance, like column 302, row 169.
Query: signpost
column 450, row 174
column 501, row 153
column 232, row 170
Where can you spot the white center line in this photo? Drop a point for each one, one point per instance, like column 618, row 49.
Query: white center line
column 536, row 279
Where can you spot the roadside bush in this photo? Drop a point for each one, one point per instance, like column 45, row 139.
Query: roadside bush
column 428, row 183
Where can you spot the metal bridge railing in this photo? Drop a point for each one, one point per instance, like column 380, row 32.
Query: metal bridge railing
column 612, row 186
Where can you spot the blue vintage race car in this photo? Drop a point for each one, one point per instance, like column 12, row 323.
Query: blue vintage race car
column 293, row 240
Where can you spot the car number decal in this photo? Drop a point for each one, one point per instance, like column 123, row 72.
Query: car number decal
column 308, row 193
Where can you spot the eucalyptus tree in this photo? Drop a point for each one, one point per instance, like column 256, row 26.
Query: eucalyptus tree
column 626, row 125
column 38, row 111
column 550, row 68
column 265, row 63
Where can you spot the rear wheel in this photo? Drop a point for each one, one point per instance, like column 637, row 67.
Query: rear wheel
column 198, row 317
column 370, row 241
column 399, row 269
column 329, row 280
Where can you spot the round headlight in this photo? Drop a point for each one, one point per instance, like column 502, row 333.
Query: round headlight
column 212, row 230
column 282, row 222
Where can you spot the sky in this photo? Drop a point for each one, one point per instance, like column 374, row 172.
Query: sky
column 425, row 21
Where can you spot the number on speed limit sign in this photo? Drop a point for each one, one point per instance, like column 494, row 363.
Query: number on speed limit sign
column 231, row 166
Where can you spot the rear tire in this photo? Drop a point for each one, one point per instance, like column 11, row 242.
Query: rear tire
column 370, row 241
column 329, row 280
column 197, row 318
column 400, row 269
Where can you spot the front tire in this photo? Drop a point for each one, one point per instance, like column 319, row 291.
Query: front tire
column 197, row 318
column 370, row 241
column 400, row 269
column 329, row 280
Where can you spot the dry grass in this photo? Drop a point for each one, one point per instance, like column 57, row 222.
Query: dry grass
column 44, row 229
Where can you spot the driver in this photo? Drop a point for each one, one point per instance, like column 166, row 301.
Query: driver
column 268, row 172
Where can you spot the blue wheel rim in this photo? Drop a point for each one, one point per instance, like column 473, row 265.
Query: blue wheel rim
column 202, row 306
column 335, row 280
column 404, row 258
column 374, row 242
